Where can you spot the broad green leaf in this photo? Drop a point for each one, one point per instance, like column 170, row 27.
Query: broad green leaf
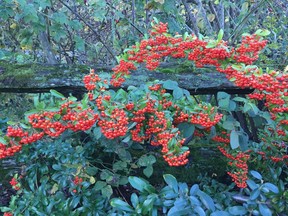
column 137, row 183
column 256, row 174
column 223, row 95
column 211, row 44
column 220, row 35
column 262, row 32
column 178, row 93
column 237, row 210
column 194, row 189
column 206, row 200
column 220, row 213
column 134, row 200
column 99, row 185
column 56, row 94
column 251, row 184
column 91, row 171
column 271, row 187
column 3, row 141
column 199, row 211
column 264, row 210
column 170, row 85
column 234, row 139
column 186, row 129
column 107, row 191
column 120, row 204
column 255, row 194
column 171, row 182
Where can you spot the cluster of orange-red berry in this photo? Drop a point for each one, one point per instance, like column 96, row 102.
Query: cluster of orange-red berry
column 77, row 181
column 237, row 160
column 271, row 87
column 15, row 184
column 52, row 124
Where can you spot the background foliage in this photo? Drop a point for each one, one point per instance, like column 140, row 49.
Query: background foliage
column 94, row 31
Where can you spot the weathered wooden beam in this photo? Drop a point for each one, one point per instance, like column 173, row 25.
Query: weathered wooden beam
column 36, row 78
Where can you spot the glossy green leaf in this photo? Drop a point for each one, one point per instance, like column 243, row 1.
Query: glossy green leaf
column 234, row 139
column 237, row 210
column 170, row 85
column 264, row 210
column 134, row 200
column 56, row 94
column 148, row 171
column 220, row 35
column 255, row 194
column 271, row 187
column 206, row 200
column 256, row 174
column 171, row 182
column 120, row 204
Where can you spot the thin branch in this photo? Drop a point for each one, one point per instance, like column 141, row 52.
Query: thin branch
column 92, row 29
column 204, row 16
column 191, row 18
column 216, row 15
column 133, row 15
column 244, row 20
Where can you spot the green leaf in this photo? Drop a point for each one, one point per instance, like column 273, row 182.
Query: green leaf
column 271, row 187
column 146, row 160
column 134, row 200
column 100, row 185
column 262, row 32
column 5, row 209
column 121, row 205
column 206, row 200
column 186, row 129
column 194, row 189
column 79, row 43
column 199, row 211
column 220, row 35
column 170, row 85
column 119, row 165
column 256, row 174
column 220, row 213
column 237, row 210
column 264, row 210
column 57, row 167
column 255, row 194
column 178, row 93
column 239, row 99
column 171, row 182
column 211, row 44
column 234, row 139
column 97, row 133
column 3, row 141
column 107, row 191
column 137, row 183
column 223, row 95
column 91, row 171
column 251, row 184
column 56, row 94
column 176, row 211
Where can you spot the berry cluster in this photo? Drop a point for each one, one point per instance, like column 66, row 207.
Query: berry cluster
column 115, row 125
column 77, row 181
column 239, row 166
column 15, row 184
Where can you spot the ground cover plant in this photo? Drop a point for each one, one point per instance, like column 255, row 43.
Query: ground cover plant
column 85, row 157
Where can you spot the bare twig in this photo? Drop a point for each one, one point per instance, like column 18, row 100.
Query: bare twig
column 92, row 29
column 204, row 16
column 216, row 15
column 191, row 18
column 245, row 19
